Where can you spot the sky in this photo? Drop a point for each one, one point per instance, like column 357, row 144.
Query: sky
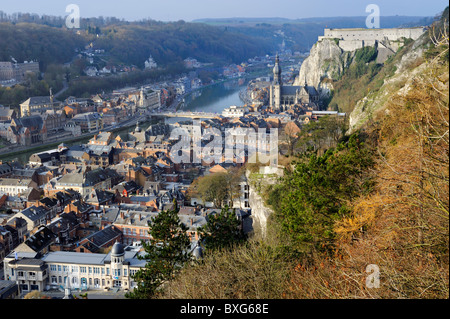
column 188, row 10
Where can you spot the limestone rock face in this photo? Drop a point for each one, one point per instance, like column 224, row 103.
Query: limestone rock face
column 397, row 85
column 325, row 62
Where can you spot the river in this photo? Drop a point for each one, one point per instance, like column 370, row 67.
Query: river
column 213, row 98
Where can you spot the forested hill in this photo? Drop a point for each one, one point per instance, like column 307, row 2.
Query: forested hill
column 45, row 38
column 170, row 42
column 130, row 44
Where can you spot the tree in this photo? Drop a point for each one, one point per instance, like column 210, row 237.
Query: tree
column 219, row 188
column 165, row 253
column 318, row 192
column 35, row 294
column 221, row 230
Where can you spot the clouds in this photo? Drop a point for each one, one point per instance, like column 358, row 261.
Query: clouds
column 172, row 10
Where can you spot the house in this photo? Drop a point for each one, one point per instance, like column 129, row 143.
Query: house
column 47, row 158
column 5, row 170
column 89, row 122
column 102, row 239
column 27, row 130
column 81, row 209
column 54, row 120
column 34, row 216
column 102, row 138
column 134, row 225
column 8, row 290
column 99, row 197
column 16, row 186
column 88, row 271
column 127, row 188
column 38, row 105
column 7, row 114
column 6, row 242
column 100, row 155
column 65, row 228
column 76, row 154
column 18, row 228
column 28, row 273
column 39, row 242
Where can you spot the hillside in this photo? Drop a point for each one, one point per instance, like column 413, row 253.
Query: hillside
column 130, row 44
column 376, row 201
column 125, row 44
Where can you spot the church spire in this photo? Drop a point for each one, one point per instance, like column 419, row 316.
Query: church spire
column 277, row 71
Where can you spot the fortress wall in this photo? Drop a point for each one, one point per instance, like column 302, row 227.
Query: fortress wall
column 351, row 45
column 373, row 34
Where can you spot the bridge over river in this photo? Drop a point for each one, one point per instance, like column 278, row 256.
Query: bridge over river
column 192, row 115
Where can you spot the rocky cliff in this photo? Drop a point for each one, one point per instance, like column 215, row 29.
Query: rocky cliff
column 409, row 65
column 325, row 63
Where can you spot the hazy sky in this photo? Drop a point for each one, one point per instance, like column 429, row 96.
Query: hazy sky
column 172, row 10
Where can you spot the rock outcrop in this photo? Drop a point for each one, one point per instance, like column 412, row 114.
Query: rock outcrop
column 400, row 83
column 326, row 62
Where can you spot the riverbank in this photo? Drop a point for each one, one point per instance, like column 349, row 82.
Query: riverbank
column 25, row 151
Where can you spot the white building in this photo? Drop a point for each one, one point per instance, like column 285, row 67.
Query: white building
column 235, row 111
column 78, row 271
column 150, row 63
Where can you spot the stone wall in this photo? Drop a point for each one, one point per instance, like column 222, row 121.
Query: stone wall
column 394, row 34
column 355, row 39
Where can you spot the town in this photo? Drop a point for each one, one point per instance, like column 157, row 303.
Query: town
column 74, row 216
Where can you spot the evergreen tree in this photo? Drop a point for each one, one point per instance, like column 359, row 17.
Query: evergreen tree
column 165, row 253
column 221, row 230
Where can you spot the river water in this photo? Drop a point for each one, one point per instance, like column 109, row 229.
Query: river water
column 214, row 98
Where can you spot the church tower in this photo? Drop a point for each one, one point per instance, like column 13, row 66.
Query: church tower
column 275, row 88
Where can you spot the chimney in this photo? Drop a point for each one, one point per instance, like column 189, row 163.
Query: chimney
column 122, row 215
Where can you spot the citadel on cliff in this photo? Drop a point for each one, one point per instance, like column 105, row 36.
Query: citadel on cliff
column 329, row 56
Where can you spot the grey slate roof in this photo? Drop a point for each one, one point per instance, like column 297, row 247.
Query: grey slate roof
column 34, row 213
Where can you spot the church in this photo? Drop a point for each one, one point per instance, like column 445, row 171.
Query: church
column 284, row 97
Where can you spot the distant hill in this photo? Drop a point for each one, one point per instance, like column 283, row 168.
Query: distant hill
column 332, row 22
column 301, row 34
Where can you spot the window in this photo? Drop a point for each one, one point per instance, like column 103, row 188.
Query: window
column 53, row 267
column 59, row 267
column 90, row 270
column 83, row 270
